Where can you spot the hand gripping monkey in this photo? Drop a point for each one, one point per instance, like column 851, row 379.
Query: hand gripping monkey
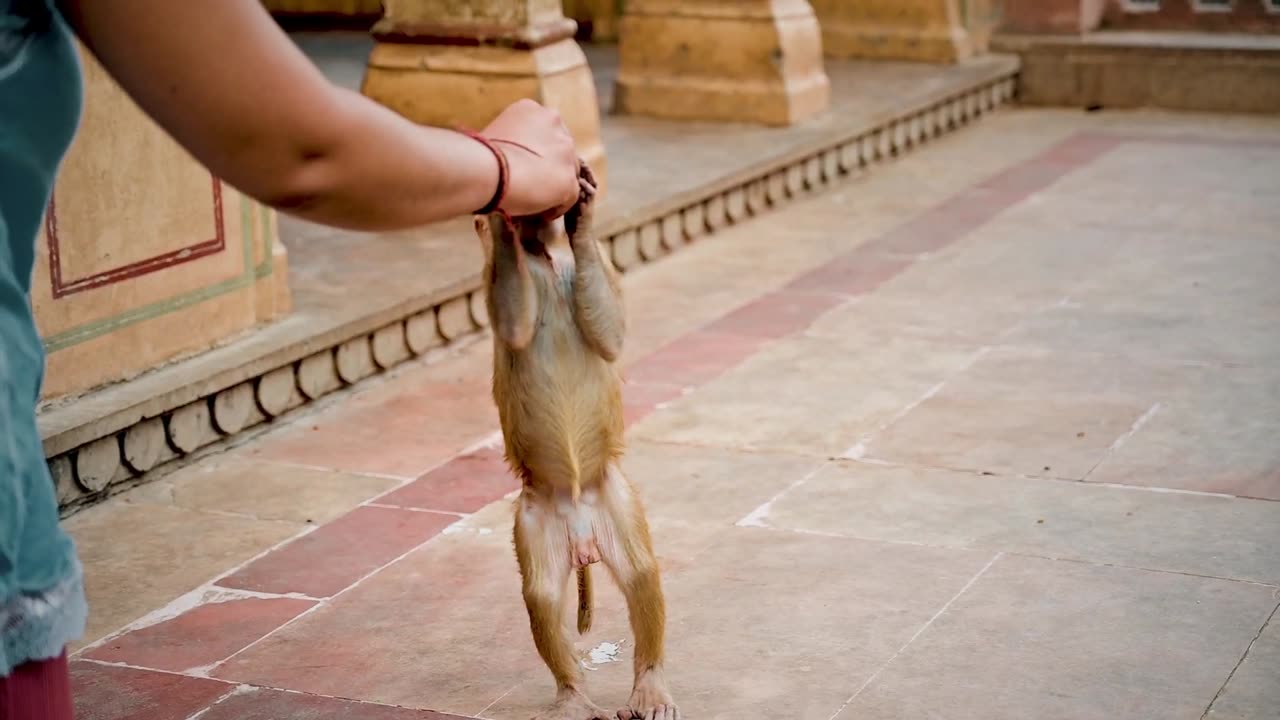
column 555, row 305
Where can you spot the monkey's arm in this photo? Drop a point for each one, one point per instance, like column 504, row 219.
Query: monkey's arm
column 515, row 297
column 597, row 299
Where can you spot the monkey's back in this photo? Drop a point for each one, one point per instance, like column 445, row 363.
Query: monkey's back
column 559, row 403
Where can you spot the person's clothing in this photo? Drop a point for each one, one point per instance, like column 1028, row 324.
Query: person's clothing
column 38, row 690
column 42, row 604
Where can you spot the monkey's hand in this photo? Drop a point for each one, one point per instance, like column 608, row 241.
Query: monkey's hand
column 578, row 221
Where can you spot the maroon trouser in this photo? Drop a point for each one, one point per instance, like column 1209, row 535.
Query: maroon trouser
column 37, row 691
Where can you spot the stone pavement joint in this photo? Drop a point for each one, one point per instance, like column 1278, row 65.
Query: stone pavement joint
column 872, row 678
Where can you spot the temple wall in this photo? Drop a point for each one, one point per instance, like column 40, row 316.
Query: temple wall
column 144, row 256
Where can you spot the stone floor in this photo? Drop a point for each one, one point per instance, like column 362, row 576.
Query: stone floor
column 989, row 434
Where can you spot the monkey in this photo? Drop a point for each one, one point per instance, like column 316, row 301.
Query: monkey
column 555, row 307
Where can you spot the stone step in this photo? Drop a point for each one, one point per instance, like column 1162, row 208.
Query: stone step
column 364, row 303
column 1200, row 71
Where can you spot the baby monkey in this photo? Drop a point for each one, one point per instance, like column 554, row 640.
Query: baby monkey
column 555, row 305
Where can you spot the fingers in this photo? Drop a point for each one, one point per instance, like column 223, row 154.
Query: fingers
column 544, row 182
column 586, row 175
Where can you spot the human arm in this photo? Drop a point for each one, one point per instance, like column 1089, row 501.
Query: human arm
column 232, row 89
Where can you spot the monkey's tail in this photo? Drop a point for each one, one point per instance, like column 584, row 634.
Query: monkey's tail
column 585, row 611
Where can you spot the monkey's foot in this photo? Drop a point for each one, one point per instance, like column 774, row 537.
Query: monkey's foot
column 650, row 700
column 573, row 705
column 584, row 551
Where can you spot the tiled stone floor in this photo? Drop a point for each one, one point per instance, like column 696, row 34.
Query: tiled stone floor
column 992, row 433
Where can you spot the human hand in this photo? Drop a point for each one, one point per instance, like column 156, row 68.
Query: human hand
column 543, row 182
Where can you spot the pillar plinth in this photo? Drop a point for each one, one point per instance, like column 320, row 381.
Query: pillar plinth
column 919, row 30
column 757, row 61
column 448, row 64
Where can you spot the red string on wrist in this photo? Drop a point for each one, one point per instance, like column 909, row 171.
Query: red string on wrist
column 513, row 143
column 504, row 174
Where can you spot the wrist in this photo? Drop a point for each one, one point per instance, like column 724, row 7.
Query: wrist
column 503, row 181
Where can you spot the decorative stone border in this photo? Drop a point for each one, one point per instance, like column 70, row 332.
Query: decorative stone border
column 95, row 469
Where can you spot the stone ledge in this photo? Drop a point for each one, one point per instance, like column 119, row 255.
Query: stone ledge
column 1213, row 72
column 118, row 436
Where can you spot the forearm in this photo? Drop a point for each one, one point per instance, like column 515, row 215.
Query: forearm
column 382, row 172
column 263, row 118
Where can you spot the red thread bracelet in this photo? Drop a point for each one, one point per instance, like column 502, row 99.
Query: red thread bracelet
column 504, row 174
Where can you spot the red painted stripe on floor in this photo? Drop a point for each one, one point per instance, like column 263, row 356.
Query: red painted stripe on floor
column 105, row 692
column 852, row 274
column 462, row 485
column 639, row 399
column 694, row 358
column 975, row 206
column 329, row 560
column 775, row 315
column 202, row 636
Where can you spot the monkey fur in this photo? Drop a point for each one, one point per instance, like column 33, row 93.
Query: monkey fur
column 555, row 306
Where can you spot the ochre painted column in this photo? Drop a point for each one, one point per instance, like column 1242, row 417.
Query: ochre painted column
column 920, row 30
column 455, row 63
column 757, row 61
column 144, row 256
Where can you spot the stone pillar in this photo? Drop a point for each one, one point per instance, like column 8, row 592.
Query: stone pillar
column 144, row 256
column 757, row 61
column 918, row 30
column 450, row 63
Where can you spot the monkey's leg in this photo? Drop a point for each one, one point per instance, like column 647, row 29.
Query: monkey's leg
column 514, row 299
column 628, row 553
column 597, row 292
column 543, row 557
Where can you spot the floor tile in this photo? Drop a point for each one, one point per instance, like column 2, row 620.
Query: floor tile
column 772, row 624
column 808, row 395
column 1219, row 338
column 775, row 315
column 261, row 704
column 1176, row 532
column 105, row 692
column 1213, row 432
column 401, row 429
column 327, row 561
column 462, row 485
column 1019, row 413
column 710, row 486
column 694, row 359
column 1252, row 692
column 853, row 274
column 264, row 490
column 1057, row 640
column 444, row 629
column 202, row 636
column 140, row 557
column 639, row 399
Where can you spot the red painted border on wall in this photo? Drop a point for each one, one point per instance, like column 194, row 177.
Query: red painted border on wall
column 201, row 249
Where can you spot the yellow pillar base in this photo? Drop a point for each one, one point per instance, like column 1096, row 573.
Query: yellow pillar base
column 757, row 61
column 437, row 78
column 919, row 30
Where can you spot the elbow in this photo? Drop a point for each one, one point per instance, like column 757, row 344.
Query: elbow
column 302, row 187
